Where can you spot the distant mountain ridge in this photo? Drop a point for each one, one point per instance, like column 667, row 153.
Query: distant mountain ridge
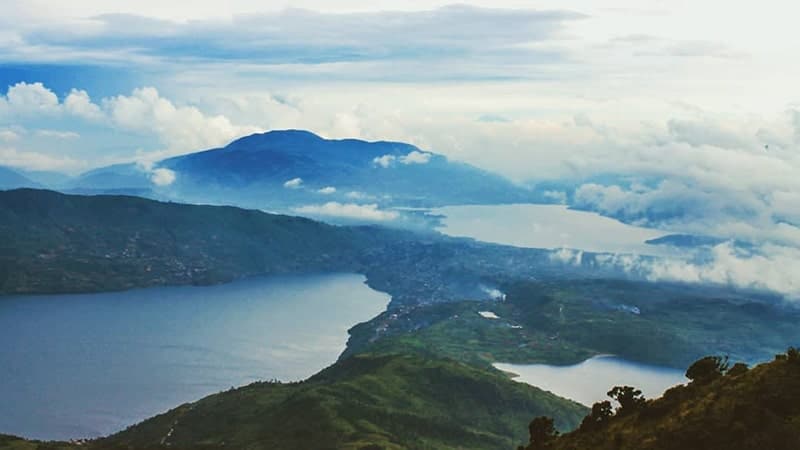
column 11, row 179
column 253, row 171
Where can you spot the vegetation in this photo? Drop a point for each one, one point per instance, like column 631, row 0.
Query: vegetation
column 567, row 321
column 363, row 402
column 17, row 443
column 55, row 243
column 402, row 382
column 733, row 409
column 58, row 243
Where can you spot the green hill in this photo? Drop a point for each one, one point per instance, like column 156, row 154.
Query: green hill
column 64, row 243
column 56, row 243
column 755, row 409
column 363, row 402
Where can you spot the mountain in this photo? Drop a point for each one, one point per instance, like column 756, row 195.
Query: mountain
column 721, row 409
column 117, row 176
column 11, row 179
column 254, row 171
column 46, row 178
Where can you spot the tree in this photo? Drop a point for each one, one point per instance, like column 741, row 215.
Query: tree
column 542, row 430
column 629, row 398
column 708, row 369
column 601, row 412
column 793, row 355
column 737, row 369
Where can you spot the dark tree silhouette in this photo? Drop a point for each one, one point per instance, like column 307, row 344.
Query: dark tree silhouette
column 601, row 412
column 793, row 355
column 542, row 430
column 708, row 369
column 629, row 398
column 737, row 369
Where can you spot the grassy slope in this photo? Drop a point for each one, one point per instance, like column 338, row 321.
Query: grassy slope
column 16, row 443
column 388, row 401
column 756, row 410
column 567, row 321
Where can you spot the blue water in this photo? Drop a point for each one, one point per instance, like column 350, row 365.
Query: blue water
column 87, row 365
column 549, row 226
column 589, row 381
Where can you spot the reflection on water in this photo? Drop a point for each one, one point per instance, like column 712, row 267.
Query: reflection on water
column 84, row 365
column 589, row 381
column 548, row 226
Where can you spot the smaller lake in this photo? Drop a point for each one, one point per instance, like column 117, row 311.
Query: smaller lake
column 548, row 226
column 589, row 381
column 91, row 364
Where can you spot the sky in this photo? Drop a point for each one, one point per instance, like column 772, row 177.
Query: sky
column 683, row 115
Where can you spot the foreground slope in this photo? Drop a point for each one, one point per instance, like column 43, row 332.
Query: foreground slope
column 367, row 401
column 755, row 409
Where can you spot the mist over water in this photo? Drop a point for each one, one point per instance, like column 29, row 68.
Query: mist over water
column 86, row 365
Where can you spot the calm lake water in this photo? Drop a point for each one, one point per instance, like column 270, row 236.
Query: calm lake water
column 87, row 365
column 548, row 226
column 589, row 381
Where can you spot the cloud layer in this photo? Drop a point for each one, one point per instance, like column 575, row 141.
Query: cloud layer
column 173, row 129
column 297, row 36
column 353, row 211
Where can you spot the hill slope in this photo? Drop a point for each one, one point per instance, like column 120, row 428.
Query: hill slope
column 11, row 179
column 58, row 243
column 364, row 402
column 756, row 409
column 252, row 171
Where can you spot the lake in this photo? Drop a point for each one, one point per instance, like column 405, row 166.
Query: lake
column 87, row 365
column 589, row 381
column 548, row 226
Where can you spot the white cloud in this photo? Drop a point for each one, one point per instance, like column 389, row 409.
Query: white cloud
column 80, row 104
column 162, row 177
column 143, row 115
column 37, row 161
column 384, row 161
column 294, row 183
column 567, row 256
column 770, row 267
column 557, row 196
column 327, row 190
column 31, row 98
column 8, row 135
column 415, row 157
column 356, row 195
column 369, row 212
column 56, row 134
column 181, row 128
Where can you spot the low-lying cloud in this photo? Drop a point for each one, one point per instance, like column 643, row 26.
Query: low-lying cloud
column 768, row 267
column 413, row 157
column 294, row 183
column 162, row 177
column 368, row 212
